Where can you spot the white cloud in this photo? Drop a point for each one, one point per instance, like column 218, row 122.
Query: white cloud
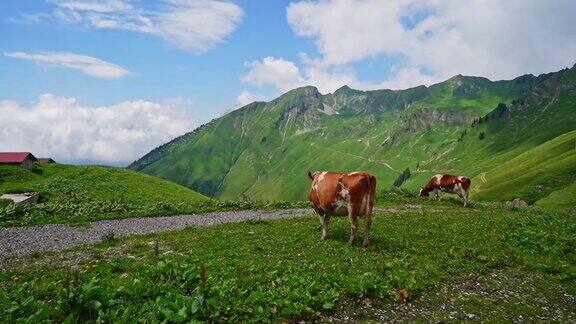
column 247, row 97
column 195, row 25
column 404, row 77
column 499, row 39
column 93, row 5
column 87, row 64
column 61, row 127
column 198, row 25
column 278, row 72
column 29, row 19
column 330, row 77
column 347, row 30
column 285, row 75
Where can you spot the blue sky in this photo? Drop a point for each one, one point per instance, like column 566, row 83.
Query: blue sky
column 115, row 78
column 158, row 69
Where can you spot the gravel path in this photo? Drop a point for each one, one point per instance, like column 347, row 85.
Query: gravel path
column 57, row 237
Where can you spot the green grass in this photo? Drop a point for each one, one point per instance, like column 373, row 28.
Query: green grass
column 63, row 183
column 261, row 271
column 560, row 199
column 534, row 174
column 497, row 296
column 80, row 194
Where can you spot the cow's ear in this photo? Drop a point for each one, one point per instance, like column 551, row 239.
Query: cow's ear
column 310, row 175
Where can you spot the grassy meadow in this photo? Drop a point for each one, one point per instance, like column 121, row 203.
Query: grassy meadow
column 63, row 183
column 80, row 194
column 534, row 175
column 281, row 270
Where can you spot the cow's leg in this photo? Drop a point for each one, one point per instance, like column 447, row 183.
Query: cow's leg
column 438, row 194
column 321, row 219
column 353, row 216
column 368, row 223
column 366, row 211
column 324, row 221
column 461, row 193
column 464, row 197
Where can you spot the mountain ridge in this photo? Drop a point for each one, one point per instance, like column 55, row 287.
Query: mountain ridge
column 260, row 149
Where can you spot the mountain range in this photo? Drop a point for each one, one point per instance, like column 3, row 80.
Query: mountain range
column 515, row 138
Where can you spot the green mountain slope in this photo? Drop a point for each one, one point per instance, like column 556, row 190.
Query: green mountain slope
column 263, row 150
column 65, row 183
column 547, row 111
column 534, row 174
column 560, row 199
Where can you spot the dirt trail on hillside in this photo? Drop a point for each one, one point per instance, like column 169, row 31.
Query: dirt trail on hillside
column 384, row 163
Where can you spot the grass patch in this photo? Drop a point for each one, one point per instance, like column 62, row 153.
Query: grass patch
column 534, row 174
column 5, row 202
column 496, row 296
column 80, row 194
column 281, row 270
column 58, row 183
column 78, row 213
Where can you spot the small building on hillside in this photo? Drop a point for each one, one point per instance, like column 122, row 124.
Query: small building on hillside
column 46, row 160
column 24, row 159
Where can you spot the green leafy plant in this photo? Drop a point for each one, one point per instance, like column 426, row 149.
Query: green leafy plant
column 281, row 271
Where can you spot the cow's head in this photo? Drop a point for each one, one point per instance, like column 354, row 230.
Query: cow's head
column 312, row 175
column 424, row 192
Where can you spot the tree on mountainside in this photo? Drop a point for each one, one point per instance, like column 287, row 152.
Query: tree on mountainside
column 402, row 177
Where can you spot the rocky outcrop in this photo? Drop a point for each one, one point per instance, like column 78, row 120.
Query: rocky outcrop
column 417, row 120
column 501, row 112
column 517, row 202
column 466, row 86
column 301, row 111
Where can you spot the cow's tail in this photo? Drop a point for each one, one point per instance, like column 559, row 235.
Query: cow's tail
column 370, row 183
column 372, row 188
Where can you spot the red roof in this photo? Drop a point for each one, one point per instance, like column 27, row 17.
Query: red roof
column 15, row 157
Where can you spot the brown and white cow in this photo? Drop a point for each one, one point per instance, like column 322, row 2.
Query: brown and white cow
column 447, row 183
column 339, row 194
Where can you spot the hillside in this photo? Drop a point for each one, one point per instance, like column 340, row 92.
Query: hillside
column 549, row 168
column 264, row 149
column 79, row 194
column 65, row 183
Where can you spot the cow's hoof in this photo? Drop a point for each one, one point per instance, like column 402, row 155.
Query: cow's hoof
column 365, row 244
column 323, row 237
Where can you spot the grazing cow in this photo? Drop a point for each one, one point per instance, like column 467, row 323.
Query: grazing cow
column 339, row 194
column 447, row 183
